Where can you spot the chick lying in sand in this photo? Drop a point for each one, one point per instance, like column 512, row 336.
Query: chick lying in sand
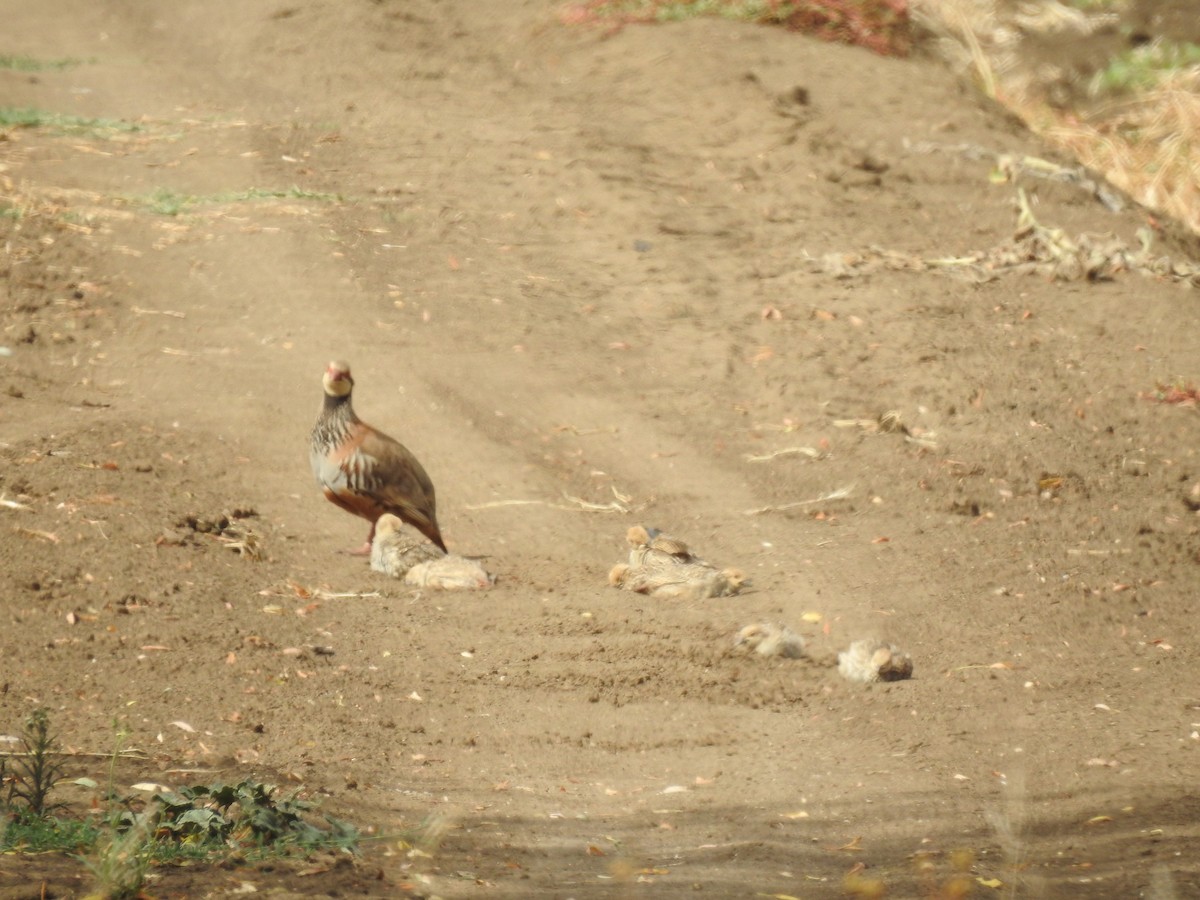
column 870, row 660
column 677, row 581
column 402, row 553
column 664, row 566
column 771, row 639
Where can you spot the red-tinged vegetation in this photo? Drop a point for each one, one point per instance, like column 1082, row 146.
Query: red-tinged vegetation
column 882, row 26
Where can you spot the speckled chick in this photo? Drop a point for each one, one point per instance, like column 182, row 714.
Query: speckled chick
column 771, row 639
column 869, row 660
column 680, row 581
column 399, row 552
column 449, row 573
column 396, row 549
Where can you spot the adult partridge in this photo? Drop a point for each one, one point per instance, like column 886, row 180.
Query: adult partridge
column 364, row 471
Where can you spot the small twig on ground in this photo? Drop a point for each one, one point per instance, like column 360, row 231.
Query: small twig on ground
column 12, row 504
column 242, row 540
column 839, row 494
column 810, row 452
column 612, row 506
column 865, row 424
column 1009, row 167
column 578, row 432
column 495, row 504
column 127, row 753
column 620, row 505
column 927, row 443
column 346, row 595
column 48, row 536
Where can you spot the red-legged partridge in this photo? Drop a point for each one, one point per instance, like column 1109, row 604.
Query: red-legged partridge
column 364, row 471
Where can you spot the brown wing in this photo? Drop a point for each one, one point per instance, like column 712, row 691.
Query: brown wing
column 396, row 481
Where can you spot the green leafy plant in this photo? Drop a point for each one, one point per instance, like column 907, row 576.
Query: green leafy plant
column 249, row 818
column 247, row 813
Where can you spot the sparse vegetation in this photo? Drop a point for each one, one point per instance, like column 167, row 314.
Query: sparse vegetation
column 1145, row 67
column 24, row 117
column 167, row 202
column 201, row 822
column 31, row 64
column 1144, row 144
column 119, row 862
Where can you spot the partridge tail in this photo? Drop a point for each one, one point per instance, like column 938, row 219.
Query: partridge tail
column 431, row 531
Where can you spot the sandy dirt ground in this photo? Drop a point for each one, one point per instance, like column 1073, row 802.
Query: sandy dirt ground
column 697, row 277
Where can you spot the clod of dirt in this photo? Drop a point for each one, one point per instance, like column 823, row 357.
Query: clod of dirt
column 228, row 528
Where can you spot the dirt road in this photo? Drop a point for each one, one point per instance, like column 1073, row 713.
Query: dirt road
column 592, row 278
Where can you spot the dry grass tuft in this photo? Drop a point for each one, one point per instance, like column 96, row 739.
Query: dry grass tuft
column 1145, row 145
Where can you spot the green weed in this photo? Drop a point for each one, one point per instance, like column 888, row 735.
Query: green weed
column 166, row 202
column 33, row 773
column 119, row 862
